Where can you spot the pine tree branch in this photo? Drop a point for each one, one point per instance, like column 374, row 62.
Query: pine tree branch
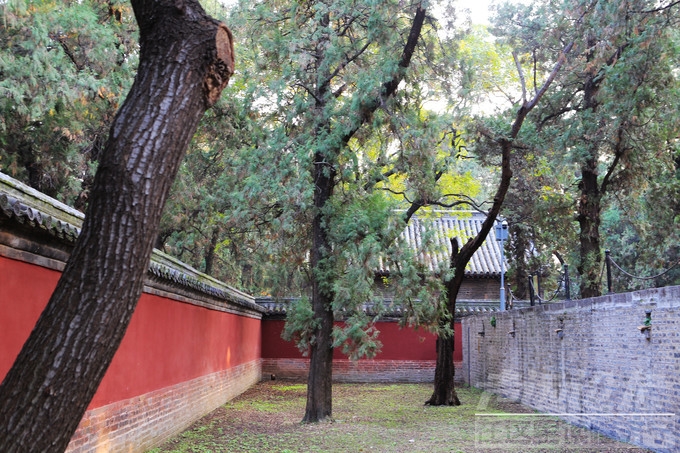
column 390, row 87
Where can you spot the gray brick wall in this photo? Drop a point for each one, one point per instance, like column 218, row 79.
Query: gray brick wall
column 588, row 361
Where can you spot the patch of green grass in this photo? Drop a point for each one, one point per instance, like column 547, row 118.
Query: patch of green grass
column 290, row 388
column 380, row 418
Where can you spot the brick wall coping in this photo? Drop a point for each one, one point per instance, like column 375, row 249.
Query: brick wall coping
column 35, row 214
column 653, row 297
column 278, row 307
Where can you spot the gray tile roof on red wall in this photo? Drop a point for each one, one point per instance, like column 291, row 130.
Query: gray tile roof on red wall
column 26, row 206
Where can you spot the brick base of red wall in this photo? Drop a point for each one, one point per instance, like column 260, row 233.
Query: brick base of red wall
column 415, row 371
column 144, row 422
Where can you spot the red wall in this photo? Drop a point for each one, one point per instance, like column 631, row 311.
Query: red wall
column 398, row 343
column 24, row 291
column 167, row 342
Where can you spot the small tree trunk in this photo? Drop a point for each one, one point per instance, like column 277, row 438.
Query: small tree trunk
column 186, row 59
column 520, row 245
column 210, row 251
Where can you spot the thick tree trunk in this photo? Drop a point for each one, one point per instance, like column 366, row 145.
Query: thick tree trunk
column 320, row 379
column 444, row 393
column 590, row 259
column 186, row 59
column 444, row 389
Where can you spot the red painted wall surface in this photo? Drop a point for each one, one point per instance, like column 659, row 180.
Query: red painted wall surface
column 24, row 292
column 167, row 342
column 398, row 343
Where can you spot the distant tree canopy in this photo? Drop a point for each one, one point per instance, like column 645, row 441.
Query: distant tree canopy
column 603, row 148
column 64, row 69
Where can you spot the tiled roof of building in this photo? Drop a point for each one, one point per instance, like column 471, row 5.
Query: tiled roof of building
column 439, row 228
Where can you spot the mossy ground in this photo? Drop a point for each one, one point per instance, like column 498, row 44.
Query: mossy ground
column 382, row 418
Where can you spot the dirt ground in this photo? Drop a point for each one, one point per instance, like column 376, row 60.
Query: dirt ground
column 383, row 418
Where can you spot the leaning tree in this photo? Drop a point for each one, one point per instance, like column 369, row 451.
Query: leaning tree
column 506, row 142
column 186, row 59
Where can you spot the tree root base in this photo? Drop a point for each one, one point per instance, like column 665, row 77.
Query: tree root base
column 453, row 401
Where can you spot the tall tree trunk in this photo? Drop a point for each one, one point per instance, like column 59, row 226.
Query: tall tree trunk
column 460, row 259
column 186, row 59
column 320, row 378
column 589, row 206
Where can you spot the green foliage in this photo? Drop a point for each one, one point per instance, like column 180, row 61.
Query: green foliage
column 486, row 69
column 63, row 70
column 613, row 113
column 300, row 324
column 298, row 99
column 358, row 337
column 243, row 201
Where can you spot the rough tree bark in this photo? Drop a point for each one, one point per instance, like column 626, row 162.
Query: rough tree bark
column 444, row 394
column 444, row 389
column 186, row 59
column 319, row 381
column 589, row 203
column 589, row 207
